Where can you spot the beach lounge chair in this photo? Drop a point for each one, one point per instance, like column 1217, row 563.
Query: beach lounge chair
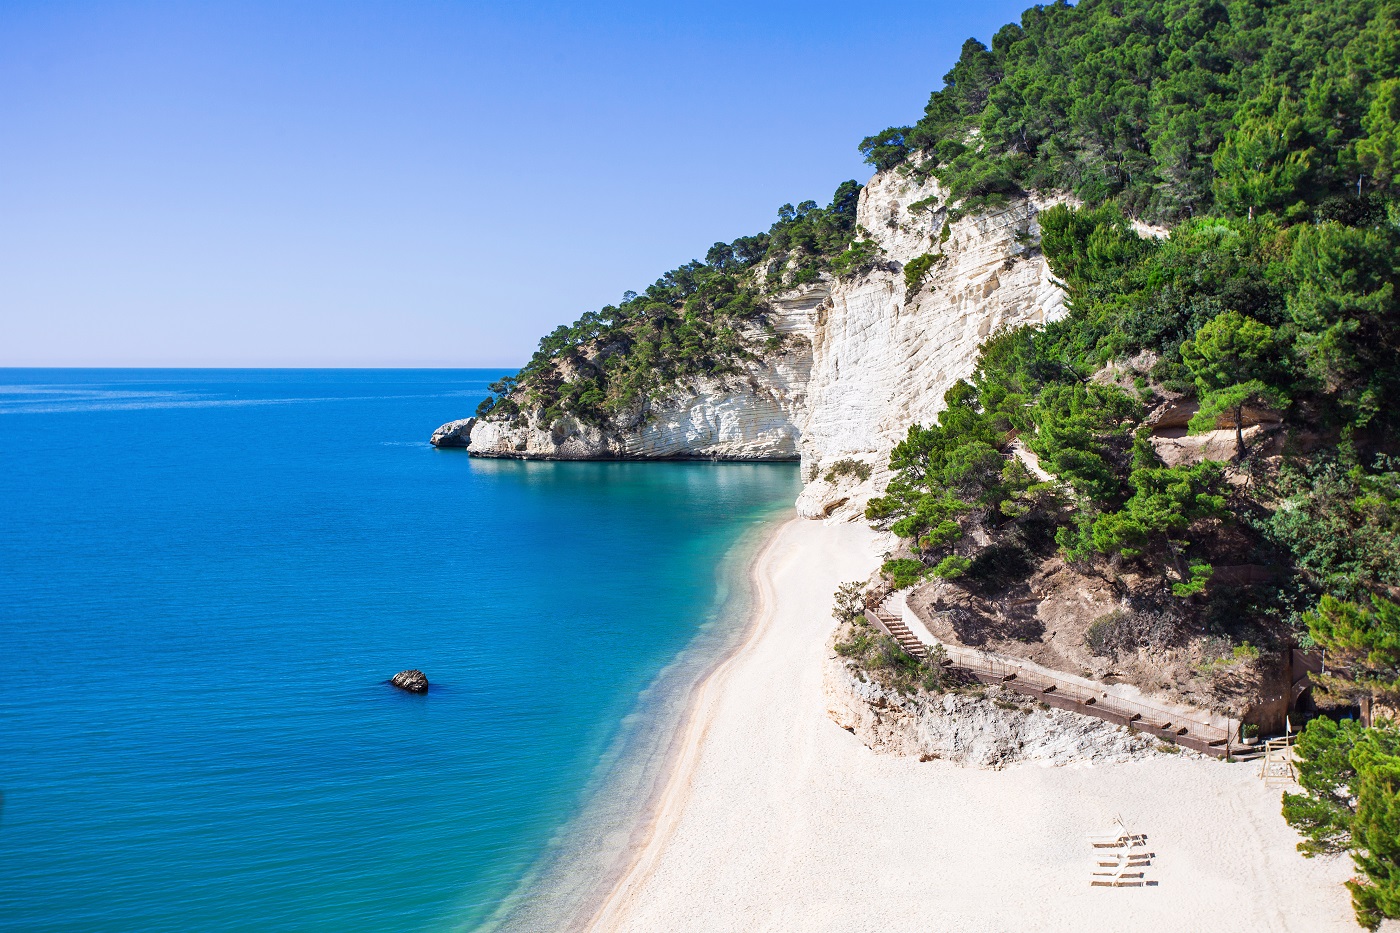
column 1118, row 840
column 1123, row 867
column 1124, row 861
column 1118, row 879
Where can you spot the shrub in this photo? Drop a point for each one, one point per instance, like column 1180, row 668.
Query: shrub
column 850, row 601
column 929, row 204
column 857, row 645
column 889, row 655
column 848, row 467
column 1200, row 574
column 858, row 259
column 1362, row 642
column 1124, row 631
column 1341, row 525
column 918, row 269
column 1246, row 652
column 904, row 571
column 952, row 567
column 886, row 662
column 936, row 676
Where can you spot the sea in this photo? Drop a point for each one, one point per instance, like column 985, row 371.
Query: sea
column 207, row 578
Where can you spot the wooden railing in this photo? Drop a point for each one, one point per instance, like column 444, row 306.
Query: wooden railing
column 1191, row 729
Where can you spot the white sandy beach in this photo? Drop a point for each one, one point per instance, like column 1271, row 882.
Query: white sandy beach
column 774, row 818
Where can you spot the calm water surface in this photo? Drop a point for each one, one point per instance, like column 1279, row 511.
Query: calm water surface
column 206, row 577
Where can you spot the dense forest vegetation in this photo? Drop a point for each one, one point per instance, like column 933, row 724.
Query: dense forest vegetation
column 1266, row 134
column 1173, row 108
column 703, row 318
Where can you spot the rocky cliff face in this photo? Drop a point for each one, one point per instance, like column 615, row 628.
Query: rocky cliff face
column 753, row 414
column 863, row 358
column 883, row 356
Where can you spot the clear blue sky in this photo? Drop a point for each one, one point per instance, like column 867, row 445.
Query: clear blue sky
column 412, row 183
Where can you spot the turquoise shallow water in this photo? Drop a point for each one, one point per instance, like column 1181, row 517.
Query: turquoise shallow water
column 205, row 578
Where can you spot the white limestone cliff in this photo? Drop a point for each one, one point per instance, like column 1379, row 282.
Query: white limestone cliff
column 883, row 358
column 749, row 415
column 863, row 359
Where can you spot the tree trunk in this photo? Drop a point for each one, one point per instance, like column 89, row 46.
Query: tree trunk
column 1181, row 570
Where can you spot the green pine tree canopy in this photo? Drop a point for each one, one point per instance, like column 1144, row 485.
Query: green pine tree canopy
column 1174, row 108
column 1350, row 778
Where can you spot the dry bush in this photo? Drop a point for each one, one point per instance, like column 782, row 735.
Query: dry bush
column 1124, row 631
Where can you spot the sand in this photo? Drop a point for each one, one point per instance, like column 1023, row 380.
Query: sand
column 774, row 818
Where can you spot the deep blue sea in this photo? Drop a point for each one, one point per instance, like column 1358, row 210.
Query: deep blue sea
column 206, row 577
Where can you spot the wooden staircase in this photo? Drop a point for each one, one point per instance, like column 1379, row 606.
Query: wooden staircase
column 892, row 625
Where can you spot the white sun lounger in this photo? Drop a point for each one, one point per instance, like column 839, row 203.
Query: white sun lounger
column 1111, row 840
column 1123, row 868
column 1124, row 861
column 1118, row 879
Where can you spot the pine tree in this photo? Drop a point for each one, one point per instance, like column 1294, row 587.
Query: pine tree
column 1376, row 830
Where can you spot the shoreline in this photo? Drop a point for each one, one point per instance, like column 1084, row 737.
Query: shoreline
column 665, row 811
column 586, row 857
column 772, row 817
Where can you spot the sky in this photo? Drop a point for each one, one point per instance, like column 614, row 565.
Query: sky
column 413, row 183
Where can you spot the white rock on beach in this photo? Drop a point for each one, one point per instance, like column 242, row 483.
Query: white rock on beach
column 973, row 731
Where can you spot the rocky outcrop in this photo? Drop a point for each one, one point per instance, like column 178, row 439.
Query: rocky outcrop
column 1113, row 637
column 453, row 434
column 990, row 730
column 749, row 415
column 860, row 361
column 1187, row 449
column 413, row 681
column 753, row 413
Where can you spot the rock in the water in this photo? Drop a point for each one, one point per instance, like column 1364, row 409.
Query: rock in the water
column 454, row 433
column 412, row 681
